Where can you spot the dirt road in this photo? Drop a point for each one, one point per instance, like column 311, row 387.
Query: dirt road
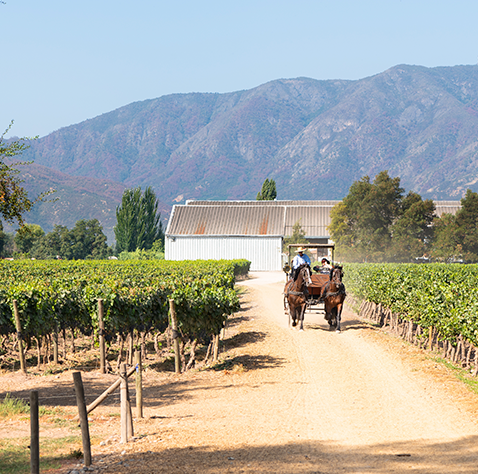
column 286, row 401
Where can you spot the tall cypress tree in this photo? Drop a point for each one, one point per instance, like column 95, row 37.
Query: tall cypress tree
column 138, row 220
column 153, row 229
column 268, row 191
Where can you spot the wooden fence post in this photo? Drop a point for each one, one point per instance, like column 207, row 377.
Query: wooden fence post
column 107, row 392
column 85, row 432
column 34, row 434
column 139, row 385
column 101, row 336
column 19, row 337
column 174, row 327
column 126, row 418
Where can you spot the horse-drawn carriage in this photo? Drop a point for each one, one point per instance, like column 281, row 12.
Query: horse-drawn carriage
column 319, row 291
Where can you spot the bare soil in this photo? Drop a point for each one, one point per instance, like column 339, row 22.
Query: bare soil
column 281, row 401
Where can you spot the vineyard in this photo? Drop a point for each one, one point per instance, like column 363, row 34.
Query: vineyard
column 57, row 299
column 426, row 304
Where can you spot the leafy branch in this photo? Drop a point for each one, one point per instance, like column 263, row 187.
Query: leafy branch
column 14, row 200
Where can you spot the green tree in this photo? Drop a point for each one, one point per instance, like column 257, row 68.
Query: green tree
column 375, row 222
column 297, row 237
column 412, row 232
column 456, row 237
column 27, row 236
column 445, row 246
column 87, row 240
column 268, row 191
column 55, row 244
column 14, row 201
column 345, row 218
column 138, row 221
column 466, row 220
column 153, row 228
column 361, row 225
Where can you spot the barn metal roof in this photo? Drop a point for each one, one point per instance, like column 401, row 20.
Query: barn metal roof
column 225, row 220
column 261, row 203
column 261, row 217
column 313, row 216
column 450, row 207
column 313, row 219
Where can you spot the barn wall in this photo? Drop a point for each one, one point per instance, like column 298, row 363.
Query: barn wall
column 264, row 252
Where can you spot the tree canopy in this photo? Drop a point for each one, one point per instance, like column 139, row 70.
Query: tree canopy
column 377, row 222
column 268, row 191
column 14, row 200
column 27, row 236
column 456, row 236
column 85, row 241
column 138, row 220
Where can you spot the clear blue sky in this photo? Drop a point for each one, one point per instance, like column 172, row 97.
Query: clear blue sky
column 65, row 61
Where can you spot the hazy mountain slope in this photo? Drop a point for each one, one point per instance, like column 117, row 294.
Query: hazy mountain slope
column 75, row 198
column 198, row 145
column 313, row 137
column 420, row 124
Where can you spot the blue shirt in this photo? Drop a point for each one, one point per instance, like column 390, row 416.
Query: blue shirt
column 300, row 260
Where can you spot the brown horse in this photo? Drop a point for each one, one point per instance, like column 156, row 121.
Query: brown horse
column 295, row 293
column 333, row 295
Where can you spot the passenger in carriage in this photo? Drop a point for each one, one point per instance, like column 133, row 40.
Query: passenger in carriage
column 299, row 260
column 325, row 266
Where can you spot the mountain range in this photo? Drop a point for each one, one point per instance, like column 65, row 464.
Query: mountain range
column 314, row 138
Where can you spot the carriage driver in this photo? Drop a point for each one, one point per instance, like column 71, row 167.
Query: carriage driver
column 299, row 260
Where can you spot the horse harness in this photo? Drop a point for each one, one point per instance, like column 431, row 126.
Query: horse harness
column 296, row 293
column 340, row 291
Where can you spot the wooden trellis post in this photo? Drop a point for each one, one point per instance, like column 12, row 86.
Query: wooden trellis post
column 139, row 385
column 174, row 327
column 19, row 337
column 101, row 336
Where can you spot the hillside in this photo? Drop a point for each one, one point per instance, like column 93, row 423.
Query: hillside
column 75, row 198
column 313, row 137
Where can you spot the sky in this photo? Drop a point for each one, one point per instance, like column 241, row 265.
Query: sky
column 66, row 61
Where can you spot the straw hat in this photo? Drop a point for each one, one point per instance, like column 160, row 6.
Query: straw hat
column 300, row 249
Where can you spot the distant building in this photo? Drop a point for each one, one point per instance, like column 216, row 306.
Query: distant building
column 253, row 230
column 446, row 207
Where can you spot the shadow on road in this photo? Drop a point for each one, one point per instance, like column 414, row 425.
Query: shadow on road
column 421, row 457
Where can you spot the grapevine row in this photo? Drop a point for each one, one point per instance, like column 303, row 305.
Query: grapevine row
column 54, row 295
column 441, row 296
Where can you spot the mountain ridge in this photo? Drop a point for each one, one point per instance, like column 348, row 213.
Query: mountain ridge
column 314, row 138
